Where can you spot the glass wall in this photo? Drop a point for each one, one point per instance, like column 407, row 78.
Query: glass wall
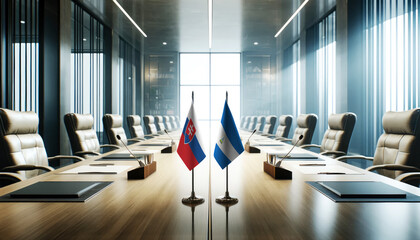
column 87, row 66
column 210, row 76
column 23, row 55
column 392, row 60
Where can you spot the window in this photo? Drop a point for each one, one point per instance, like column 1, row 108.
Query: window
column 392, row 60
column 87, row 66
column 325, row 70
column 210, row 76
column 23, row 55
column 291, row 83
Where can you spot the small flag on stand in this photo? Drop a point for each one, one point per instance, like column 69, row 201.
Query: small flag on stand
column 228, row 145
column 189, row 147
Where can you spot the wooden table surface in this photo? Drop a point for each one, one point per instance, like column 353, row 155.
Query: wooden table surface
column 152, row 208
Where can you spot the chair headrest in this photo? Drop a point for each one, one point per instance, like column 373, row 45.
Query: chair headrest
column 305, row 120
column 15, row 122
column 135, row 119
column 148, row 119
column 339, row 121
column 114, row 120
column 285, row 120
column 159, row 119
column 405, row 122
column 270, row 119
column 82, row 121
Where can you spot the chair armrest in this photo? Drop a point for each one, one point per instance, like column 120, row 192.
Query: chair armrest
column 394, row 167
column 59, row 157
column 17, row 168
column 343, row 158
column 110, row 146
column 310, row 145
column 284, row 139
column 407, row 177
column 10, row 177
column 336, row 153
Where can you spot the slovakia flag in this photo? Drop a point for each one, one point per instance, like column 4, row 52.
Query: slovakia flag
column 189, row 147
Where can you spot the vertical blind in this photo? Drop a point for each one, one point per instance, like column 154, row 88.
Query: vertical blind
column 23, row 55
column 87, row 66
column 392, row 60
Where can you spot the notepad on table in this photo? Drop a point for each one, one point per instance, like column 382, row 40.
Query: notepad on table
column 88, row 169
column 297, row 155
column 367, row 189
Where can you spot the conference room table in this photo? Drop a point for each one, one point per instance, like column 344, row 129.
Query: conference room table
column 152, row 209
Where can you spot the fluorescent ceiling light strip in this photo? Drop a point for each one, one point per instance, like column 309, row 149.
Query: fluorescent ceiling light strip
column 291, row 18
column 210, row 22
column 129, row 18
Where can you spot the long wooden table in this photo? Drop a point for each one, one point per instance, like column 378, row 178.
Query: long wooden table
column 152, row 208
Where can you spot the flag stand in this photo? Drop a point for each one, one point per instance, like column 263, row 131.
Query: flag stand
column 193, row 199
column 227, row 200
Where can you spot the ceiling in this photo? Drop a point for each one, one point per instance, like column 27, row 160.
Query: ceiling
column 183, row 24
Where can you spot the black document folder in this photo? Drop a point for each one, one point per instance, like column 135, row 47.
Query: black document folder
column 358, row 189
column 74, row 191
column 54, row 190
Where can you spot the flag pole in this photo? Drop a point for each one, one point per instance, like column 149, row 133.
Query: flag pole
column 193, row 199
column 227, row 199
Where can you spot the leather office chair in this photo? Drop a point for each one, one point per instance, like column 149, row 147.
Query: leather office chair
column 135, row 128
column 242, row 122
column 285, row 123
column 82, row 136
column 22, row 151
column 398, row 148
column 113, row 126
column 149, row 125
column 173, row 122
column 167, row 123
column 260, row 124
column 270, row 123
column 253, row 123
column 306, row 124
column 177, row 122
column 337, row 138
column 247, row 122
column 160, row 126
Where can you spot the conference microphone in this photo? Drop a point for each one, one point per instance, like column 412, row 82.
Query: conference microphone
column 166, row 131
column 134, row 156
column 285, row 156
column 251, row 135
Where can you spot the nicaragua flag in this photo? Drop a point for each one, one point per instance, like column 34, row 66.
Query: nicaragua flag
column 229, row 145
column 189, row 147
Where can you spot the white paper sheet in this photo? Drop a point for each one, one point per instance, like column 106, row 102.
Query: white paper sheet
column 106, row 169
column 327, row 170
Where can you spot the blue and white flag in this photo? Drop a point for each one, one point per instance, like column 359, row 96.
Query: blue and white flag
column 228, row 145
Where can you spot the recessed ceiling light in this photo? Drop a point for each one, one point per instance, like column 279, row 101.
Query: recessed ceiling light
column 255, row 43
column 129, row 18
column 84, row 39
column 22, row 22
column 165, row 43
column 171, row 62
column 291, row 18
column 249, row 62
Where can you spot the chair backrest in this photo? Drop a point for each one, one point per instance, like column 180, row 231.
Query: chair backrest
column 113, row 126
column 177, row 122
column 134, row 126
column 159, row 123
column 20, row 142
column 173, row 122
column 260, row 123
column 306, row 124
column 270, row 123
column 253, row 123
column 247, row 122
column 242, row 122
column 285, row 123
column 81, row 134
column 337, row 137
column 400, row 143
column 149, row 124
column 167, row 123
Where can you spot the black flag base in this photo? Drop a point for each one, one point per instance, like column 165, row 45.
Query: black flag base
column 226, row 200
column 193, row 200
